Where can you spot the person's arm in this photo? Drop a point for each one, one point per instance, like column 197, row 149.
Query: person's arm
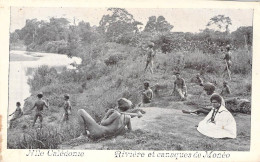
column 138, row 114
column 228, row 90
column 109, row 119
column 185, row 87
column 46, row 104
column 222, row 91
column 174, row 86
column 32, row 107
column 12, row 114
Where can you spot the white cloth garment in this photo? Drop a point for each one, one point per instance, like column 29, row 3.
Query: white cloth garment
column 224, row 125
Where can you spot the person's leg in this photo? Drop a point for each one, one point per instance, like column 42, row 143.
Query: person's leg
column 34, row 120
column 151, row 66
column 11, row 123
column 147, row 63
column 180, row 94
column 41, row 118
column 86, row 122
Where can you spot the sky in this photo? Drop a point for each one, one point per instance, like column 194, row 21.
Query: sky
column 183, row 20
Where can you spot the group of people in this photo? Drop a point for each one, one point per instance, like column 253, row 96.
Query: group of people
column 39, row 105
column 218, row 123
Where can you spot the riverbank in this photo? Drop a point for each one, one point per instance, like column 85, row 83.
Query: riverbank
column 116, row 71
column 21, row 57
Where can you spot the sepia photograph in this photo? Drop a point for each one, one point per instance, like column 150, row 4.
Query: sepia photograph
column 175, row 79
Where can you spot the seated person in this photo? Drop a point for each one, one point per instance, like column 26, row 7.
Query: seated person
column 180, row 88
column 210, row 89
column 237, row 104
column 199, row 80
column 147, row 94
column 226, row 90
column 17, row 114
column 114, row 122
column 219, row 123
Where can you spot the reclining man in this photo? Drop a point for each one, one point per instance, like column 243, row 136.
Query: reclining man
column 115, row 122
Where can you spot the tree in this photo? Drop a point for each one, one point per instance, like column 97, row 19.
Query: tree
column 221, row 22
column 14, row 38
column 118, row 23
column 157, row 25
column 243, row 36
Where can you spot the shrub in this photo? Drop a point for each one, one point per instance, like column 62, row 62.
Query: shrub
column 242, row 62
column 43, row 76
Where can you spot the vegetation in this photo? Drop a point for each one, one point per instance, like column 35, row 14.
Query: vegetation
column 112, row 67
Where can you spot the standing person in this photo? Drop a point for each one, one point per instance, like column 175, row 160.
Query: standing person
column 226, row 89
column 228, row 62
column 180, row 87
column 17, row 114
column 67, row 108
column 39, row 104
column 150, row 57
column 115, row 121
column 219, row 123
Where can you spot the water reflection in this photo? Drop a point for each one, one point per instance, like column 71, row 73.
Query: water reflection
column 21, row 67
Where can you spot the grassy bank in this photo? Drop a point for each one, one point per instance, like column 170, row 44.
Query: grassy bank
column 110, row 71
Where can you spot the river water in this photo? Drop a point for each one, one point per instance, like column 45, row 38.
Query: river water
column 20, row 62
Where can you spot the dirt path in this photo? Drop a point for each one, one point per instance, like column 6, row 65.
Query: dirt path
column 175, row 125
column 159, row 120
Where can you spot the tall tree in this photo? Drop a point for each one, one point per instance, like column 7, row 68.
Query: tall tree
column 221, row 22
column 118, row 23
column 158, row 25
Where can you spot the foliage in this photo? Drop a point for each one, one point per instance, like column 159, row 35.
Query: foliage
column 118, row 24
column 157, row 25
column 221, row 22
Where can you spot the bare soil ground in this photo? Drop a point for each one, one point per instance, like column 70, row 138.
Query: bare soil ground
column 169, row 129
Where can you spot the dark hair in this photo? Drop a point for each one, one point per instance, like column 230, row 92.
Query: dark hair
column 177, row 73
column 18, row 104
column 216, row 97
column 228, row 48
column 209, row 87
column 66, row 96
column 124, row 104
column 123, row 108
column 147, row 83
column 40, row 95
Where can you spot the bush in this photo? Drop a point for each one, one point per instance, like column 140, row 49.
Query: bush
column 202, row 62
column 43, row 76
column 241, row 62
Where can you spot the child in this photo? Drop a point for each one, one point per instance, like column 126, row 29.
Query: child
column 17, row 114
column 226, row 90
column 67, row 108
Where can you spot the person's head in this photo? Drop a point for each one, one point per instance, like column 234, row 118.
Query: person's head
column 177, row 74
column 124, row 104
column 40, row 95
column 225, row 83
column 66, row 97
column 209, row 88
column 146, row 85
column 216, row 100
column 198, row 75
column 228, row 47
column 18, row 104
column 150, row 44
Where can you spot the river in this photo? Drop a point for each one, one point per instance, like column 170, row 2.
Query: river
column 20, row 62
